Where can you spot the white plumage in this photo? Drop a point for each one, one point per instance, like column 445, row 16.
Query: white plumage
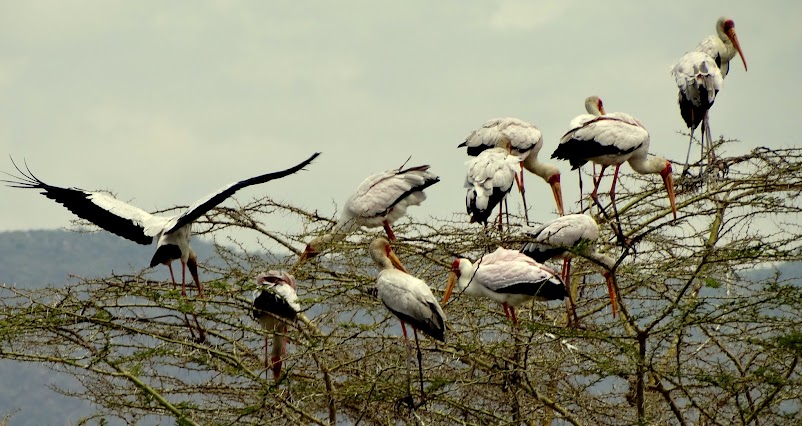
column 489, row 179
column 612, row 139
column 505, row 276
column 555, row 238
column 408, row 298
column 172, row 233
column 523, row 137
column 380, row 200
column 523, row 140
column 700, row 76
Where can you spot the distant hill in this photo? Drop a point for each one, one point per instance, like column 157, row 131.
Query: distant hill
column 37, row 258
column 33, row 259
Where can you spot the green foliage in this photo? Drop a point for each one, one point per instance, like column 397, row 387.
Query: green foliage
column 700, row 338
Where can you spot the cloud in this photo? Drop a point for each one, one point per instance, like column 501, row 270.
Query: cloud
column 523, row 15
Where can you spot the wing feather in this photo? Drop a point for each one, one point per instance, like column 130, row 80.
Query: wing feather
column 202, row 206
column 101, row 209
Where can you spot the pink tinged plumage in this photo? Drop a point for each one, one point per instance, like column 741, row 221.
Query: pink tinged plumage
column 555, row 238
column 380, row 200
column 507, row 277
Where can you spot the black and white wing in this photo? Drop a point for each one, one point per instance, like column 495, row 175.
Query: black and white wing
column 699, row 79
column 380, row 192
column 101, row 209
column 612, row 134
column 200, row 207
column 411, row 300
column 553, row 238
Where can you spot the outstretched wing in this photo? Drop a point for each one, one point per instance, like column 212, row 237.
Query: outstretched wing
column 103, row 210
column 202, row 206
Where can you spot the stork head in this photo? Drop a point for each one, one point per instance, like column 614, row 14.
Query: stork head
column 594, row 105
column 384, row 256
column 725, row 27
column 275, row 278
column 668, row 181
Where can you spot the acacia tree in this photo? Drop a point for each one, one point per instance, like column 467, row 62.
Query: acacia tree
column 699, row 339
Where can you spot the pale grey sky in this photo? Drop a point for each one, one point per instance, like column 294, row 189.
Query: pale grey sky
column 164, row 102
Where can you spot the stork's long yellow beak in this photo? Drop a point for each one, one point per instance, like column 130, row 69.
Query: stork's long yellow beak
column 734, row 39
column 452, row 279
column 396, row 261
column 556, row 189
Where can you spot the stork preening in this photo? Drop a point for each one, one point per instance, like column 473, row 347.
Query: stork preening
column 408, row 298
column 172, row 233
column 556, row 239
column 273, row 305
column 613, row 139
column 524, row 141
column 700, row 75
column 489, row 180
column 380, row 200
column 507, row 277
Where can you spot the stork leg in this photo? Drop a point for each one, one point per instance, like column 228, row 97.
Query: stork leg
column 711, row 154
column 388, row 230
column 267, row 354
column 611, row 291
column 172, row 277
column 506, row 310
column 183, row 278
column 570, row 307
column 276, row 359
column 520, row 183
column 420, row 363
column 192, row 266
column 688, row 155
column 409, row 356
column 500, row 217
column 514, row 318
column 581, row 197
column 619, row 232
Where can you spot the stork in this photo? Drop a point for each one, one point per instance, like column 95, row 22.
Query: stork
column 505, row 276
column 380, row 200
column 172, row 233
column 613, row 139
column 700, row 75
column 274, row 305
column 556, row 239
column 489, row 180
column 525, row 141
column 408, row 298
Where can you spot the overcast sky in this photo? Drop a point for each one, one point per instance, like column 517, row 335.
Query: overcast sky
column 164, row 102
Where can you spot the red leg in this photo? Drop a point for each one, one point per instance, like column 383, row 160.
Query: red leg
column 172, row 277
column 514, row 318
column 596, row 183
column 506, row 310
column 611, row 291
column 389, row 231
column 404, row 330
column 183, row 278
column 277, row 360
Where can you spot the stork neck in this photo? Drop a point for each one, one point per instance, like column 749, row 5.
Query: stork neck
column 539, row 168
column 647, row 164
